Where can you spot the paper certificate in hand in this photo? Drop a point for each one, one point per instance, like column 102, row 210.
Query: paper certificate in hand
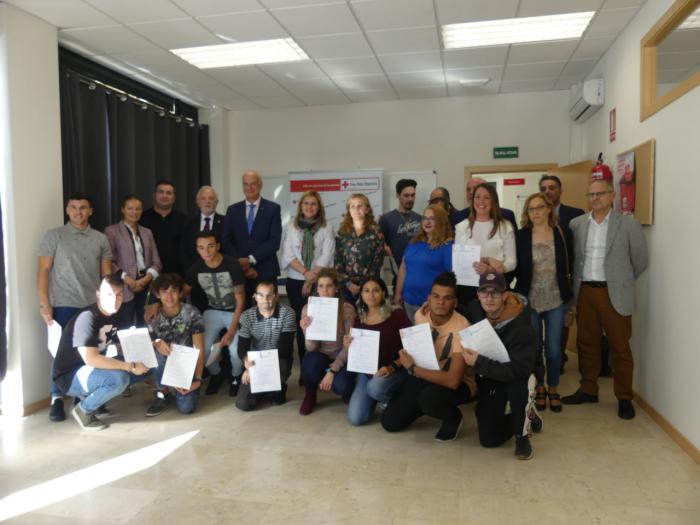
column 323, row 312
column 363, row 354
column 418, row 342
column 137, row 346
column 265, row 373
column 463, row 258
column 54, row 337
column 214, row 354
column 482, row 338
column 180, row 366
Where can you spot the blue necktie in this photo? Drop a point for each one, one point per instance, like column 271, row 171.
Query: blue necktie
column 251, row 217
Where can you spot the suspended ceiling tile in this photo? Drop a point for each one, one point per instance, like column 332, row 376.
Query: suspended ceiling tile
column 407, row 62
column 317, row 20
column 457, row 11
column 533, row 71
column 345, row 67
column 266, row 88
column 614, row 4
column 274, row 4
column 239, row 104
column 388, row 14
column 541, row 52
column 593, row 47
column 556, row 7
column 418, row 79
column 453, row 76
column 323, row 98
column 525, row 86
column 175, row 34
column 111, row 40
column 422, row 92
column 216, row 7
column 371, row 96
column 477, row 57
column 64, row 13
column 610, row 22
column 278, row 102
column 244, row 27
column 567, row 82
column 489, row 89
column 336, row 46
column 306, row 70
column 414, row 40
column 242, row 74
column 579, row 68
column 363, row 83
column 134, row 11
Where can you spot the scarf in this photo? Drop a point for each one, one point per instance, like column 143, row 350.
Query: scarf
column 309, row 229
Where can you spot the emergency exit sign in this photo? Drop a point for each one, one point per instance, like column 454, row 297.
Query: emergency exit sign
column 508, row 152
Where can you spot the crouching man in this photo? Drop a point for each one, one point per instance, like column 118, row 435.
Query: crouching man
column 504, row 396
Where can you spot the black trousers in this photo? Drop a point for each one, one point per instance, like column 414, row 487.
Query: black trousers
column 417, row 397
column 465, row 295
column 495, row 427
column 246, row 400
column 297, row 301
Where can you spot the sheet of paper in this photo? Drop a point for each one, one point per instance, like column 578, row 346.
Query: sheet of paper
column 137, row 347
column 324, row 319
column 363, row 354
column 214, row 354
column 54, row 337
column 482, row 338
column 418, row 342
column 463, row 258
column 265, row 373
column 180, row 366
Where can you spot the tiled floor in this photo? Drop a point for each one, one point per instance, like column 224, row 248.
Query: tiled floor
column 274, row 466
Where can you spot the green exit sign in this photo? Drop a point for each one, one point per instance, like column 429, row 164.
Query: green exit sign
column 509, row 152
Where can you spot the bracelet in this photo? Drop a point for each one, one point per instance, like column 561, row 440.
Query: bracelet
column 329, row 369
column 196, row 378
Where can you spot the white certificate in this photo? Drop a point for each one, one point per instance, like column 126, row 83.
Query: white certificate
column 324, row 319
column 214, row 354
column 463, row 258
column 180, row 366
column 265, row 373
column 418, row 342
column 482, row 338
column 137, row 347
column 363, row 354
column 54, row 337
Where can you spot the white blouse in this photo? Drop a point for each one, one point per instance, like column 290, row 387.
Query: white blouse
column 501, row 246
column 324, row 248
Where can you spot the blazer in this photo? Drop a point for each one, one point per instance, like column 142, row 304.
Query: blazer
column 123, row 255
column 625, row 257
column 188, row 243
column 262, row 242
column 568, row 213
column 563, row 258
column 460, row 216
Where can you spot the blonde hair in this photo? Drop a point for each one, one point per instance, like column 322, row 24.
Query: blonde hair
column 346, row 226
column 321, row 216
column 552, row 219
column 443, row 228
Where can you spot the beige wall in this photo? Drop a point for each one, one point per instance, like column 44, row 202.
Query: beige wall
column 665, row 343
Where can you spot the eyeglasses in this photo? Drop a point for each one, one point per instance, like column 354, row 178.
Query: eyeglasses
column 428, row 219
column 533, row 209
column 596, row 194
column 489, row 293
column 266, row 296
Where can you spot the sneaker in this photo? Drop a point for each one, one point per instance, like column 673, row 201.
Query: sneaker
column 307, row 406
column 56, row 412
column 449, row 430
column 578, row 398
column 279, row 398
column 103, row 411
column 158, row 405
column 87, row 421
column 235, row 385
column 625, row 409
column 523, row 449
column 214, row 384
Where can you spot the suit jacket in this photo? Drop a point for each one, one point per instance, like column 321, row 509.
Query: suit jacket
column 625, row 257
column 460, row 216
column 188, row 243
column 568, row 213
column 262, row 242
column 123, row 255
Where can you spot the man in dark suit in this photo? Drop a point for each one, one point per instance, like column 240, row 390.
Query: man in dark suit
column 207, row 220
column 550, row 185
column 459, row 216
column 252, row 233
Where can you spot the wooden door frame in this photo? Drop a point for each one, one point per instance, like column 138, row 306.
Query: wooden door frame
column 469, row 171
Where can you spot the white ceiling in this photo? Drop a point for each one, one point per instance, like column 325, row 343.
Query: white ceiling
column 360, row 50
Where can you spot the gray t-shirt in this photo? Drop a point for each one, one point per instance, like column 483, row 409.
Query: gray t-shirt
column 75, row 275
column 398, row 229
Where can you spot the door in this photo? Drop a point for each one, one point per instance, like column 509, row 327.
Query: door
column 575, row 179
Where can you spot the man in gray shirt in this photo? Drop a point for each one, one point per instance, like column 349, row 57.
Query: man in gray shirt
column 72, row 260
column 399, row 226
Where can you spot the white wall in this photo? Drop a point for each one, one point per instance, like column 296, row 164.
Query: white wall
column 442, row 134
column 31, row 187
column 665, row 340
column 217, row 119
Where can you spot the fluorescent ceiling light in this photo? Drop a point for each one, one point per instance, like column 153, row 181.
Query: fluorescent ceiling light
column 242, row 53
column 692, row 22
column 515, row 30
column 471, row 82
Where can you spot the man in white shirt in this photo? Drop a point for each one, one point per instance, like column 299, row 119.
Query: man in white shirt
column 610, row 253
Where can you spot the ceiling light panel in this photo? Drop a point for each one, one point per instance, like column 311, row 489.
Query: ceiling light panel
column 516, row 30
column 242, row 53
column 692, row 22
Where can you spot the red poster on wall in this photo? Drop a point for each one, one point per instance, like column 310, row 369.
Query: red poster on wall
column 613, row 124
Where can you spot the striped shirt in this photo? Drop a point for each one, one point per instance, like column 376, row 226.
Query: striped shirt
column 264, row 333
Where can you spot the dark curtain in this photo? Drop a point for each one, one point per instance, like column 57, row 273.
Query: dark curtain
column 3, row 307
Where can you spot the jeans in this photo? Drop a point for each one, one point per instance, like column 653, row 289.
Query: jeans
column 214, row 322
column 97, row 386
column 313, row 368
column 370, row 389
column 411, row 310
column 185, row 403
column 62, row 315
column 553, row 326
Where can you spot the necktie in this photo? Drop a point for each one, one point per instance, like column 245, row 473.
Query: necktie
column 251, row 217
column 207, row 227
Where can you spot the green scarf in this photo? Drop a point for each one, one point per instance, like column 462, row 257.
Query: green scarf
column 309, row 229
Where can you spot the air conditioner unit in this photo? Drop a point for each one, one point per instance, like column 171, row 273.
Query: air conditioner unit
column 586, row 99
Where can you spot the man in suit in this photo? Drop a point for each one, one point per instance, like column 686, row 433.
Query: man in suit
column 459, row 216
column 207, row 220
column 550, row 185
column 610, row 253
column 252, row 233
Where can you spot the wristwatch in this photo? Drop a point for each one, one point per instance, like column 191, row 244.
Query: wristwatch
column 329, row 369
column 196, row 378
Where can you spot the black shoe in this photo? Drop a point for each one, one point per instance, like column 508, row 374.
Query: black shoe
column 449, row 430
column 579, row 397
column 523, row 449
column 279, row 398
column 625, row 409
column 235, row 385
column 214, row 384
column 56, row 412
column 158, row 405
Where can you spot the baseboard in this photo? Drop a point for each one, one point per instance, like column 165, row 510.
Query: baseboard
column 35, row 407
column 667, row 427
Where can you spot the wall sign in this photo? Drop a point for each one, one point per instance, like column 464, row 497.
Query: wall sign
column 514, row 182
column 508, row 152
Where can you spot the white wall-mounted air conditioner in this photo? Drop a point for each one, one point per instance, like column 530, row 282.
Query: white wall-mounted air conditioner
column 586, row 99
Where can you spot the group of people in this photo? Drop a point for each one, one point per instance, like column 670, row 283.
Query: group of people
column 212, row 279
